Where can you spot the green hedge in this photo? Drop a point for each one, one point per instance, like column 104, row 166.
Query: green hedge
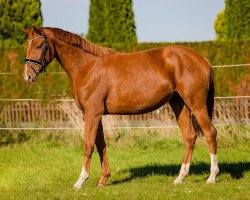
column 227, row 80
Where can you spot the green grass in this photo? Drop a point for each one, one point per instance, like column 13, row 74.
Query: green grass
column 142, row 167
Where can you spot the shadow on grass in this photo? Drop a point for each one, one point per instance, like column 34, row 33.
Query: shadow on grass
column 236, row 170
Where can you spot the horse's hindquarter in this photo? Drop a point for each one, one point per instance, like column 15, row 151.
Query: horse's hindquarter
column 192, row 72
column 138, row 82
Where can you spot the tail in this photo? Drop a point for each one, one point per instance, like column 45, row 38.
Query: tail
column 210, row 105
column 210, row 97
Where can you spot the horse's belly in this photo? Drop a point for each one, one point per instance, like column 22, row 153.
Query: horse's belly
column 137, row 101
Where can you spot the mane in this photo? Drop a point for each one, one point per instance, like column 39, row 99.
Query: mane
column 81, row 43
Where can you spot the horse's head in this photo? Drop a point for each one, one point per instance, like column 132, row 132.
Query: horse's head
column 39, row 53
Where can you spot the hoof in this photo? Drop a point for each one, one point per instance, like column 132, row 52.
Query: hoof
column 77, row 186
column 100, row 185
column 209, row 181
column 177, row 182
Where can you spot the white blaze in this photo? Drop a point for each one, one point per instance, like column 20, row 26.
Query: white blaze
column 25, row 75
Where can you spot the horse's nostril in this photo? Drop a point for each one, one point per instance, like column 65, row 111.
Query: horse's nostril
column 29, row 77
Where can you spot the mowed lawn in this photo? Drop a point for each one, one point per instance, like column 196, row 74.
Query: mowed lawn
column 142, row 168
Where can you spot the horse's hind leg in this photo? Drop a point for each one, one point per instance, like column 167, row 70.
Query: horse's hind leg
column 101, row 148
column 201, row 114
column 183, row 116
column 198, row 105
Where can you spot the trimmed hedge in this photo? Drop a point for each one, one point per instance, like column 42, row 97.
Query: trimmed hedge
column 228, row 81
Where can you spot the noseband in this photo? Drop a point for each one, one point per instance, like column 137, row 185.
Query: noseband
column 42, row 61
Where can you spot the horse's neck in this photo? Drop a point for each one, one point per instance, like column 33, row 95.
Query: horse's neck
column 71, row 58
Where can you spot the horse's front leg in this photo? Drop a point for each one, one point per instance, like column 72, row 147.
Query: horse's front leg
column 92, row 120
column 101, row 148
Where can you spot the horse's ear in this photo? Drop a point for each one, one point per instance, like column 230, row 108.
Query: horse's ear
column 26, row 31
column 37, row 30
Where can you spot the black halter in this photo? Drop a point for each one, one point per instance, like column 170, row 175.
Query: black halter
column 42, row 61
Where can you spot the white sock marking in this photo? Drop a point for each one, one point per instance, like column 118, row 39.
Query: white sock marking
column 214, row 170
column 183, row 173
column 83, row 177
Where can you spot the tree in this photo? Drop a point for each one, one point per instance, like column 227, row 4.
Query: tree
column 219, row 25
column 114, row 19
column 234, row 22
column 120, row 24
column 96, row 21
column 17, row 14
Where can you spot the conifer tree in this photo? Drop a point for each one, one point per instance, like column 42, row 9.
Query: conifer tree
column 120, row 25
column 114, row 19
column 96, row 21
column 219, row 26
column 17, row 14
column 234, row 22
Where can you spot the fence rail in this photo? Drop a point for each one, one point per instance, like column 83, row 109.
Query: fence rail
column 63, row 114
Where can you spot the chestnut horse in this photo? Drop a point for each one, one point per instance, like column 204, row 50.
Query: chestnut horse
column 108, row 82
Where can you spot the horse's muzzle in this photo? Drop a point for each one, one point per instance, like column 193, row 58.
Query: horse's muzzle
column 29, row 78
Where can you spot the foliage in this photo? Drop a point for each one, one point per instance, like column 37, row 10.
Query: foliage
column 120, row 24
column 17, row 14
column 233, row 23
column 96, row 21
column 112, row 22
column 219, row 26
column 7, row 138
